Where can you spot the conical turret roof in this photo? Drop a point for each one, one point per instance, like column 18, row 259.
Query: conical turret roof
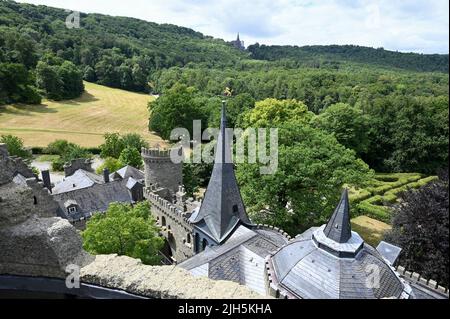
column 222, row 208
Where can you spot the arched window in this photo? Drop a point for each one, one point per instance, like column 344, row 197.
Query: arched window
column 204, row 243
column 34, row 200
column 197, row 242
column 163, row 221
column 188, row 239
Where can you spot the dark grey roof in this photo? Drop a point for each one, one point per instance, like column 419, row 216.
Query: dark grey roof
column 333, row 262
column 128, row 171
column 222, row 208
column 338, row 227
column 388, row 251
column 90, row 193
column 240, row 258
column 305, row 271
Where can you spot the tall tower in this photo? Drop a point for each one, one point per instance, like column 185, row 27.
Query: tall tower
column 222, row 209
column 238, row 44
column 161, row 170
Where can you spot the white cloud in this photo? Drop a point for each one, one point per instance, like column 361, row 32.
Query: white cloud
column 404, row 25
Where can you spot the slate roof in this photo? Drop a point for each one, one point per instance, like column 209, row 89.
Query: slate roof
column 126, row 172
column 338, row 227
column 332, row 262
column 308, row 271
column 91, row 194
column 222, row 208
column 78, row 180
column 240, row 258
column 388, row 251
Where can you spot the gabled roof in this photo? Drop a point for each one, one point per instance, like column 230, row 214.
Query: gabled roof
column 222, row 208
column 338, row 227
column 128, row 171
column 78, row 180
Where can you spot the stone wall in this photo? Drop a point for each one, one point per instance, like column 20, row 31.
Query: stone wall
column 160, row 170
column 33, row 244
column 175, row 226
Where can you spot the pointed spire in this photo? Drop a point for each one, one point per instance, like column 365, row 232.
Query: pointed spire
column 338, row 227
column 222, row 207
column 238, row 37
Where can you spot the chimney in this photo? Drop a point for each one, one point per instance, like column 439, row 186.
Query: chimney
column 46, row 179
column 106, row 175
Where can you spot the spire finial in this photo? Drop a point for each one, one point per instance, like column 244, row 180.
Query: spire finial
column 338, row 227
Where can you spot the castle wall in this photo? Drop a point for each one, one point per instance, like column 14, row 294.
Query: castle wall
column 175, row 227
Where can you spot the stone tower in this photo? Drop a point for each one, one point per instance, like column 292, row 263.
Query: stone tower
column 160, row 170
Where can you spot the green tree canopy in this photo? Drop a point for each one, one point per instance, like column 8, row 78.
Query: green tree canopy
column 312, row 169
column 273, row 112
column 111, row 163
column 124, row 230
column 348, row 124
column 178, row 107
column 15, row 146
column 131, row 156
column 115, row 143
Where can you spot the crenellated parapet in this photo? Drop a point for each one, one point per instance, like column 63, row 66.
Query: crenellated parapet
column 155, row 154
column 160, row 169
column 169, row 209
column 273, row 228
column 418, row 279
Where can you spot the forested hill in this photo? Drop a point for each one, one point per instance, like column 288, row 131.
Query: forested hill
column 115, row 41
column 41, row 57
column 351, row 53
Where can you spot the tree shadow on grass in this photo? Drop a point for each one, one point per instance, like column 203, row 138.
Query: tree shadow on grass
column 86, row 97
column 26, row 109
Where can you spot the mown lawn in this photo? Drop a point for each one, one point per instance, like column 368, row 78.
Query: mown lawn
column 83, row 120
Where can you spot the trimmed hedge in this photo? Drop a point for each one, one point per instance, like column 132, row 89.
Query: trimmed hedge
column 360, row 196
column 386, row 193
column 370, row 208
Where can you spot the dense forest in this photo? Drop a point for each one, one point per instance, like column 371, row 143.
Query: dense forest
column 380, row 57
column 399, row 101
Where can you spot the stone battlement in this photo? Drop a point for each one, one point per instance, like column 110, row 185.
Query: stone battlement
column 417, row 278
column 155, row 153
column 270, row 227
column 168, row 208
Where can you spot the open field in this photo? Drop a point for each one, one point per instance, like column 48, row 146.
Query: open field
column 83, row 120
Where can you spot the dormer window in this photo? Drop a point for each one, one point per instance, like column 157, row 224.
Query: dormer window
column 71, row 206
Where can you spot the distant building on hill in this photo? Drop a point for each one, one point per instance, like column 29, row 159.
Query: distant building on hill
column 238, row 44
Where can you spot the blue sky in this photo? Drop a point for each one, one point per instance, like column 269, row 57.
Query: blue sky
column 403, row 25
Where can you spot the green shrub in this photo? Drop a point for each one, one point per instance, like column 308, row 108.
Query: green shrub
column 58, row 147
column 361, row 195
column 111, row 163
column 15, row 146
column 370, row 208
